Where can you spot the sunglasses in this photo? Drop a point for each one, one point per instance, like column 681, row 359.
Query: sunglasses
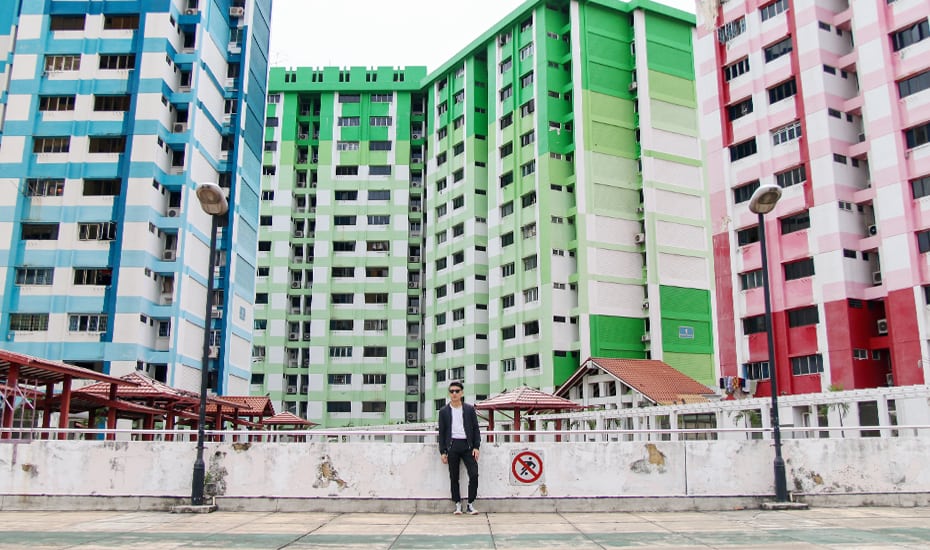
column 455, row 391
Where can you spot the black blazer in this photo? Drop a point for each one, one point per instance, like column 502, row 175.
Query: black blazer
column 469, row 419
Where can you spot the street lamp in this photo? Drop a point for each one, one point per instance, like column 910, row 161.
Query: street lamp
column 762, row 202
column 213, row 201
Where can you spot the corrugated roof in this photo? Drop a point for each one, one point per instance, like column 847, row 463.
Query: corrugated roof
column 35, row 370
column 658, row 381
column 526, row 399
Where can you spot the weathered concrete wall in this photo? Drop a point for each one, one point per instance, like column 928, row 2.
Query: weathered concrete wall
column 413, row 470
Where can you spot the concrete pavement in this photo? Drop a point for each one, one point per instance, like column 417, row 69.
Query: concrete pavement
column 820, row 528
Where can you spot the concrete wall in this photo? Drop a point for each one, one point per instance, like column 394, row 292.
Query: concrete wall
column 413, row 470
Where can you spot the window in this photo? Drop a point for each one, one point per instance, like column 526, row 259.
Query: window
column 349, row 98
column 529, row 199
column 744, row 192
column 790, row 177
column 918, row 135
column 531, row 361
column 914, row 84
column 458, row 175
column 379, row 170
column 528, row 108
column 506, row 149
column 735, row 69
column 756, row 371
column 507, row 301
column 442, row 133
column 803, row 316
column 531, row 294
column 506, row 179
column 347, row 145
column 528, row 168
column 56, row 103
column 527, row 138
column 508, row 365
column 342, row 272
column 43, row 187
column 807, row 364
column 458, row 202
column 739, row 110
column 529, row 263
column 923, row 241
column 507, row 270
column 796, row 222
column 754, row 324
column 376, row 325
column 783, row 91
column 526, row 80
column 747, row 236
column 920, row 187
column 440, row 319
column 377, row 271
column 528, row 230
column 381, row 121
column 346, row 195
column 526, row 24
column 379, row 145
column 382, row 98
column 507, row 239
column 508, row 333
column 93, row 276
column 341, row 298
column 103, row 231
column 458, row 286
column 66, row 23
column 374, row 406
column 526, row 51
column 441, row 264
column 458, row 149
column 87, row 323
column 506, row 209
column 458, row 122
column 750, row 279
column 340, row 351
column 910, row 35
column 439, row 347
column 777, row 49
column 773, row 9
column 506, row 120
column 379, row 195
column 458, row 343
column 786, row 133
column 458, row 258
column 799, row 269
column 101, row 187
column 459, row 97
column 51, row 145
column 117, row 62
column 343, row 246
column 378, row 246
column 441, row 210
column 506, row 92
column 441, row 159
column 338, row 406
column 107, row 144
column 505, row 65
column 343, row 220
column 530, row 328
column 62, row 62
column 743, row 150
column 348, row 121
column 39, row 276
column 731, row 30
column 28, row 322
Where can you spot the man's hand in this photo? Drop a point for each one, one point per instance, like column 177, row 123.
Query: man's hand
column 444, row 458
column 475, row 453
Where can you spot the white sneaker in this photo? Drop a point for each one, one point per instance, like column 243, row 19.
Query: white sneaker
column 469, row 509
column 458, row 509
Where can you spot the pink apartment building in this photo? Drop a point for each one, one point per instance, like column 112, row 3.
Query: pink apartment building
column 830, row 99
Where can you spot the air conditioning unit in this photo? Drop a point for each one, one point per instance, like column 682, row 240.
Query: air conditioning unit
column 882, row 326
column 293, row 336
column 292, row 389
column 413, row 284
column 645, row 304
column 646, row 337
column 216, row 313
column 214, row 352
column 307, row 336
column 191, row 11
column 411, row 362
column 304, row 389
column 413, row 259
column 633, row 86
column 889, row 379
column 298, row 233
column 170, row 255
column 876, row 277
column 314, row 160
column 295, row 310
column 236, row 12
column 873, row 230
column 415, row 135
column 173, row 212
column 292, row 363
column 295, row 284
column 179, row 127
column 413, row 311
column 414, row 208
column 412, row 390
column 639, row 238
column 411, row 417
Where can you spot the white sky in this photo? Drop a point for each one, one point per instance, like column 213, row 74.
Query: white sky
column 316, row 33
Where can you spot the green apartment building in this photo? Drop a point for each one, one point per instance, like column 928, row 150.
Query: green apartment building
column 535, row 201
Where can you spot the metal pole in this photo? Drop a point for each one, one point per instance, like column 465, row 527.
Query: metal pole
column 781, row 482
column 197, row 484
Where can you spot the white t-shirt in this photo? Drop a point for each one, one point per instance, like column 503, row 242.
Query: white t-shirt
column 458, row 425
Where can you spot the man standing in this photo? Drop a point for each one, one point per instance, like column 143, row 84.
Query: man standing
column 459, row 440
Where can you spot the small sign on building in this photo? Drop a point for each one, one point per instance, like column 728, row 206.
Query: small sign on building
column 526, row 467
column 686, row 333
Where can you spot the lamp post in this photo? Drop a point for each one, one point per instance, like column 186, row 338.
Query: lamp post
column 213, row 201
column 762, row 202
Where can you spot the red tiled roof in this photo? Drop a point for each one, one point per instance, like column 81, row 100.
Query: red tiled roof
column 35, row 370
column 526, row 399
column 658, row 381
column 248, row 405
column 145, row 388
column 287, row 419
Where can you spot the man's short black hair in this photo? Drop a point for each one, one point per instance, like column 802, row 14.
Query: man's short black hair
column 456, row 383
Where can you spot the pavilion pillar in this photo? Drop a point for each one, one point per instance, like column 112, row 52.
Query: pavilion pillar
column 558, row 428
column 12, row 380
column 516, row 425
column 169, row 422
column 91, row 424
column 491, row 425
column 111, row 414
column 148, row 424
column 65, row 409
column 47, row 410
column 218, row 422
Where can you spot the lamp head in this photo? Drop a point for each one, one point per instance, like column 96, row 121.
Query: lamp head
column 212, row 199
column 764, row 198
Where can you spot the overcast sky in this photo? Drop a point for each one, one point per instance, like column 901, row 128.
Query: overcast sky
column 316, row 33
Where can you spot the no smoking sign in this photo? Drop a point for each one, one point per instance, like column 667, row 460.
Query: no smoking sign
column 526, row 467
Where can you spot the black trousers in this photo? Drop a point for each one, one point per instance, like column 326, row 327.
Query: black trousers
column 460, row 452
